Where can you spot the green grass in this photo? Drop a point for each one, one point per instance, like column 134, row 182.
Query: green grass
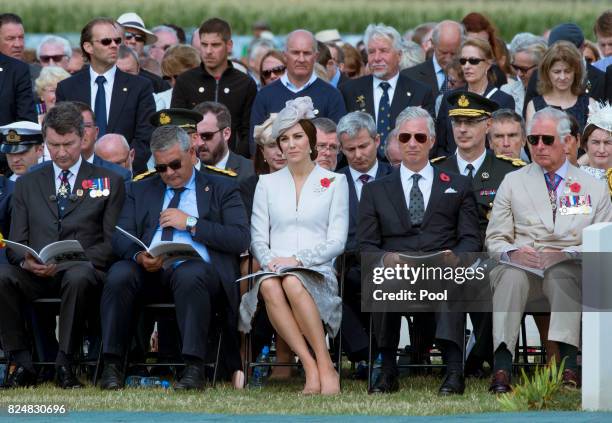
column 417, row 396
column 349, row 16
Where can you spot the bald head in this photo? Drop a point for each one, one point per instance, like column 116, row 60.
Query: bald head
column 301, row 36
column 300, row 55
column 114, row 148
column 446, row 38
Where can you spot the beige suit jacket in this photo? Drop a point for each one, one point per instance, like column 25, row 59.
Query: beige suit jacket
column 522, row 213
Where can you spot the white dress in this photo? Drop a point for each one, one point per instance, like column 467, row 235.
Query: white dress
column 314, row 230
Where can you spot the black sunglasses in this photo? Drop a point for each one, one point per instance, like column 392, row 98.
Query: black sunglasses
column 108, row 41
column 278, row 71
column 55, row 57
column 207, row 136
column 522, row 69
column 169, row 78
column 472, row 61
column 137, row 37
column 163, row 167
column 546, row 139
column 405, row 137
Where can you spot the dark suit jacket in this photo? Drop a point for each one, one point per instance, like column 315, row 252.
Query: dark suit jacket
column 425, row 73
column 131, row 106
column 6, row 192
column 17, row 99
column 450, row 221
column 91, row 221
column 222, row 224
column 608, row 91
column 97, row 161
column 241, row 165
column 158, row 83
column 358, row 95
column 351, row 242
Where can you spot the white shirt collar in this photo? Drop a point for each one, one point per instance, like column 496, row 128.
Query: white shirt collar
column 221, row 164
column 355, row 174
column 289, row 85
column 74, row 169
column 462, row 163
column 198, row 165
column 392, row 82
column 90, row 159
column 426, row 173
column 109, row 74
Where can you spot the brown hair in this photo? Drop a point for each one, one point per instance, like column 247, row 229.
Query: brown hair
column 178, row 59
column 603, row 24
column 487, row 52
column 311, row 133
column 87, row 32
column 216, row 26
column 64, row 118
column 271, row 53
column 352, row 59
column 259, row 163
column 561, row 51
column 586, row 134
column 476, row 22
column 224, row 118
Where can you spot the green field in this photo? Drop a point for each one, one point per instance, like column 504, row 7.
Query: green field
column 349, row 16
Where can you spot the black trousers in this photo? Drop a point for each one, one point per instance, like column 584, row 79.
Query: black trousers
column 355, row 324
column 194, row 287
column 78, row 288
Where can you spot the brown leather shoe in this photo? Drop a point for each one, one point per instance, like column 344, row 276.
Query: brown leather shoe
column 571, row 379
column 500, row 383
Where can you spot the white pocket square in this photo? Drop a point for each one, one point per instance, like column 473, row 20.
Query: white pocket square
column 450, row 191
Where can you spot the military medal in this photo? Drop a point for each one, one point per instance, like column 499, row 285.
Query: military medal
column 485, row 176
column 106, row 190
column 79, row 192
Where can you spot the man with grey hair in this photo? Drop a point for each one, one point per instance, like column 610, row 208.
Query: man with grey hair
column 114, row 148
column 166, row 38
column 194, row 208
column 536, row 223
column 446, row 39
column 327, row 144
column 386, row 92
column 299, row 80
column 408, row 211
column 54, row 51
column 392, row 150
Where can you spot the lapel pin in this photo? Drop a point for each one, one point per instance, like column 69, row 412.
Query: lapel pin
column 1, row 69
column 201, row 89
column 206, row 188
column 124, row 89
column 226, row 90
column 408, row 93
column 316, row 111
column 79, row 192
column 485, row 176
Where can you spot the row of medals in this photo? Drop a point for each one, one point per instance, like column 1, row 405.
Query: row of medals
column 95, row 193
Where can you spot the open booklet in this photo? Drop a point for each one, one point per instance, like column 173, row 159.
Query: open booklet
column 282, row 271
column 170, row 250
column 532, row 270
column 64, row 254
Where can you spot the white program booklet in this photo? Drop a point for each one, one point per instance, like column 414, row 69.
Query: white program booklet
column 64, row 254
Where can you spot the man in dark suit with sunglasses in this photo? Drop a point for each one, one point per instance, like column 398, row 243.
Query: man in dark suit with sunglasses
column 122, row 103
column 183, row 205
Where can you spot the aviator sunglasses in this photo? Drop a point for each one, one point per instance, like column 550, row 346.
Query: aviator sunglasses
column 546, row 139
column 404, row 137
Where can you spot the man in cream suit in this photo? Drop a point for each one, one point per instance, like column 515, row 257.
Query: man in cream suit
column 535, row 224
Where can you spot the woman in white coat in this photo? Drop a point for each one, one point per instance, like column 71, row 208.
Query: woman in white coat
column 300, row 218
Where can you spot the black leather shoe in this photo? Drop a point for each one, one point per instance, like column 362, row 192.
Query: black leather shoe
column 192, row 378
column 65, row 378
column 571, row 379
column 454, row 383
column 20, row 377
column 385, row 383
column 112, row 377
column 500, row 384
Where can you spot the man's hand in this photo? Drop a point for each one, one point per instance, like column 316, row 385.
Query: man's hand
column 150, row 263
column 526, row 256
column 450, row 259
column 41, row 270
column 173, row 218
column 551, row 256
column 278, row 262
column 392, row 259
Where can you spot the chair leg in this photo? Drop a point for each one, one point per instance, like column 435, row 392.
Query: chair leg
column 98, row 362
column 524, row 340
column 214, row 381
column 370, row 363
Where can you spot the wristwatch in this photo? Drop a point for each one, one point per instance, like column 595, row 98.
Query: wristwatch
column 190, row 223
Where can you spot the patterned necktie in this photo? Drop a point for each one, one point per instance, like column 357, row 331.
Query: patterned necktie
column 365, row 178
column 168, row 231
column 100, row 106
column 444, row 87
column 417, row 205
column 552, row 182
column 383, row 125
column 63, row 193
column 470, row 168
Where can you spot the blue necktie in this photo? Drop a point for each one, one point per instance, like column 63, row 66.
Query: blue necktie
column 416, row 208
column 168, row 231
column 100, row 106
column 383, row 125
column 444, row 88
column 552, row 182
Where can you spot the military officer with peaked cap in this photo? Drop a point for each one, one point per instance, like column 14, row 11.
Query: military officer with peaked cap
column 22, row 142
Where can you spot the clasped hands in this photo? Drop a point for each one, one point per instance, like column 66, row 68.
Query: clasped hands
column 391, row 259
column 280, row 262
column 530, row 257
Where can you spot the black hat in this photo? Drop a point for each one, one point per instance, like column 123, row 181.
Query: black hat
column 468, row 104
column 18, row 137
column 183, row 118
column 566, row 32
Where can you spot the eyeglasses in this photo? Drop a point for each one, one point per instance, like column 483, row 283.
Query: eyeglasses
column 405, row 137
column 278, row 71
column 137, row 37
column 546, row 139
column 521, row 69
column 207, row 136
column 326, row 147
column 471, row 60
column 108, row 41
column 55, row 57
column 163, row 167
column 89, row 125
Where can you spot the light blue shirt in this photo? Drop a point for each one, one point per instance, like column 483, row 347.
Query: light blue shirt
column 562, row 171
column 187, row 204
column 334, row 81
column 289, row 85
column 603, row 63
column 439, row 72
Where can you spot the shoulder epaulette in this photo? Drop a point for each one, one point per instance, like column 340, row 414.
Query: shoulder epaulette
column 222, row 171
column 438, row 159
column 143, row 175
column 515, row 162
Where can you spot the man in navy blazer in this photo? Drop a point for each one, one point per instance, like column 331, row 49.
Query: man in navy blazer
column 357, row 135
column 15, row 91
column 182, row 205
column 122, row 103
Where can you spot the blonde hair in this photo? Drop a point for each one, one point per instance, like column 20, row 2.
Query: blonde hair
column 178, row 59
column 49, row 76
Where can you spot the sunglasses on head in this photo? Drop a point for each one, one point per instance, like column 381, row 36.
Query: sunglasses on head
column 405, row 137
column 207, row 136
column 278, row 71
column 546, row 139
column 108, row 41
column 55, row 57
column 471, row 60
column 522, row 69
column 137, row 37
column 163, row 167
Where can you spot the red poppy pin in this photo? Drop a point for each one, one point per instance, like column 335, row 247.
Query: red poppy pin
column 444, row 177
column 575, row 187
column 325, row 183
column 87, row 184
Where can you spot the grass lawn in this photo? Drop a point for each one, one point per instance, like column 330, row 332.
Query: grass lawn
column 417, row 396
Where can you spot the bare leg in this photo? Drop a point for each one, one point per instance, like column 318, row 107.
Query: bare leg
column 284, row 323
column 308, row 318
